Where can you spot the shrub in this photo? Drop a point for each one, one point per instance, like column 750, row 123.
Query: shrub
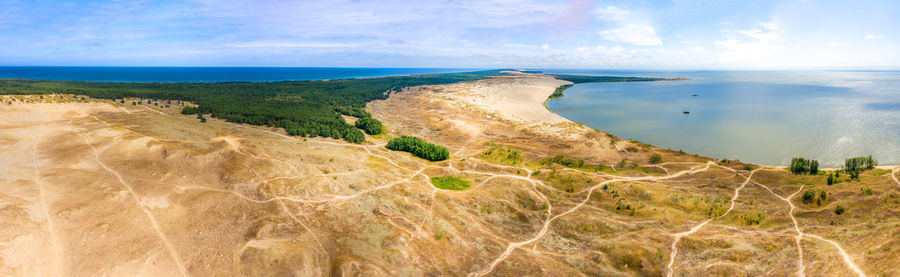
column 830, row 179
column 839, row 209
column 370, row 125
column 655, row 158
column 450, row 183
column 866, row 191
column 419, row 147
column 564, row 161
column 814, row 196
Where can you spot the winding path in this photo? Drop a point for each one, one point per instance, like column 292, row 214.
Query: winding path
column 137, row 201
column 678, row 236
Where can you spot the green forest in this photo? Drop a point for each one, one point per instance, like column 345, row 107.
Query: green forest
column 302, row 108
column 602, row 79
column 577, row 79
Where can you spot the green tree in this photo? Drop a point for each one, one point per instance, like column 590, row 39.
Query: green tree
column 370, row 125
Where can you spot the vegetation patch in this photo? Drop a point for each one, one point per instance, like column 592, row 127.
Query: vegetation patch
column 419, row 147
column 559, row 92
column 564, row 161
column 503, row 155
column 450, row 183
column 816, row 196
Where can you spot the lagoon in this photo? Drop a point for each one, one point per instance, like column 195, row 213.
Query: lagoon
column 764, row 117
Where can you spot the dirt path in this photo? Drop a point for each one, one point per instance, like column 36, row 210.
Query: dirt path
column 546, row 226
column 801, row 234
column 678, row 236
column 137, row 200
column 58, row 266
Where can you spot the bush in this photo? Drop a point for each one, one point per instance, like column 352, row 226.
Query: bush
column 655, row 158
column 839, row 210
column 814, row 196
column 450, row 183
column 370, row 125
column 418, row 147
column 830, row 179
column 564, row 161
column 866, row 191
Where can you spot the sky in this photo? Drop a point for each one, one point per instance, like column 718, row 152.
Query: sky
column 676, row 34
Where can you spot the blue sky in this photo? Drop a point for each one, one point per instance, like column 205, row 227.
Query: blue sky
column 678, row 34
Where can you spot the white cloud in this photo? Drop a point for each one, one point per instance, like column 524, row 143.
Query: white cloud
column 637, row 34
column 766, row 32
column 611, row 13
column 874, row 36
column 286, row 44
column 837, row 44
column 754, row 46
column 545, row 46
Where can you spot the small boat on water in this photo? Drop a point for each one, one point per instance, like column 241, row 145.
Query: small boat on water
column 694, row 95
column 686, row 112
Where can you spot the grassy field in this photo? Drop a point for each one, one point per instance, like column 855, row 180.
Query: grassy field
column 450, row 183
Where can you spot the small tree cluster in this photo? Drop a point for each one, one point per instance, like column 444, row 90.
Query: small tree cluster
column 370, row 125
column 419, row 147
column 853, row 166
column 190, row 110
column 804, row 166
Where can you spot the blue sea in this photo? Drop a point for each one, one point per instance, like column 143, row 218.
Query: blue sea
column 204, row 74
column 764, row 117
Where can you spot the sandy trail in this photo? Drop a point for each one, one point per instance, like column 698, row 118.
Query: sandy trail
column 137, row 200
column 58, row 266
column 546, row 226
column 678, row 236
column 799, row 237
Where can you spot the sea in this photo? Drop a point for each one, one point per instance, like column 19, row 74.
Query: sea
column 205, row 74
column 765, row 117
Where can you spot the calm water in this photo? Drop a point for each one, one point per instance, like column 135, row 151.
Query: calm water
column 761, row 117
column 205, row 74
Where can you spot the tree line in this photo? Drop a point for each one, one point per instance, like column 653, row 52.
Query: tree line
column 853, row 166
